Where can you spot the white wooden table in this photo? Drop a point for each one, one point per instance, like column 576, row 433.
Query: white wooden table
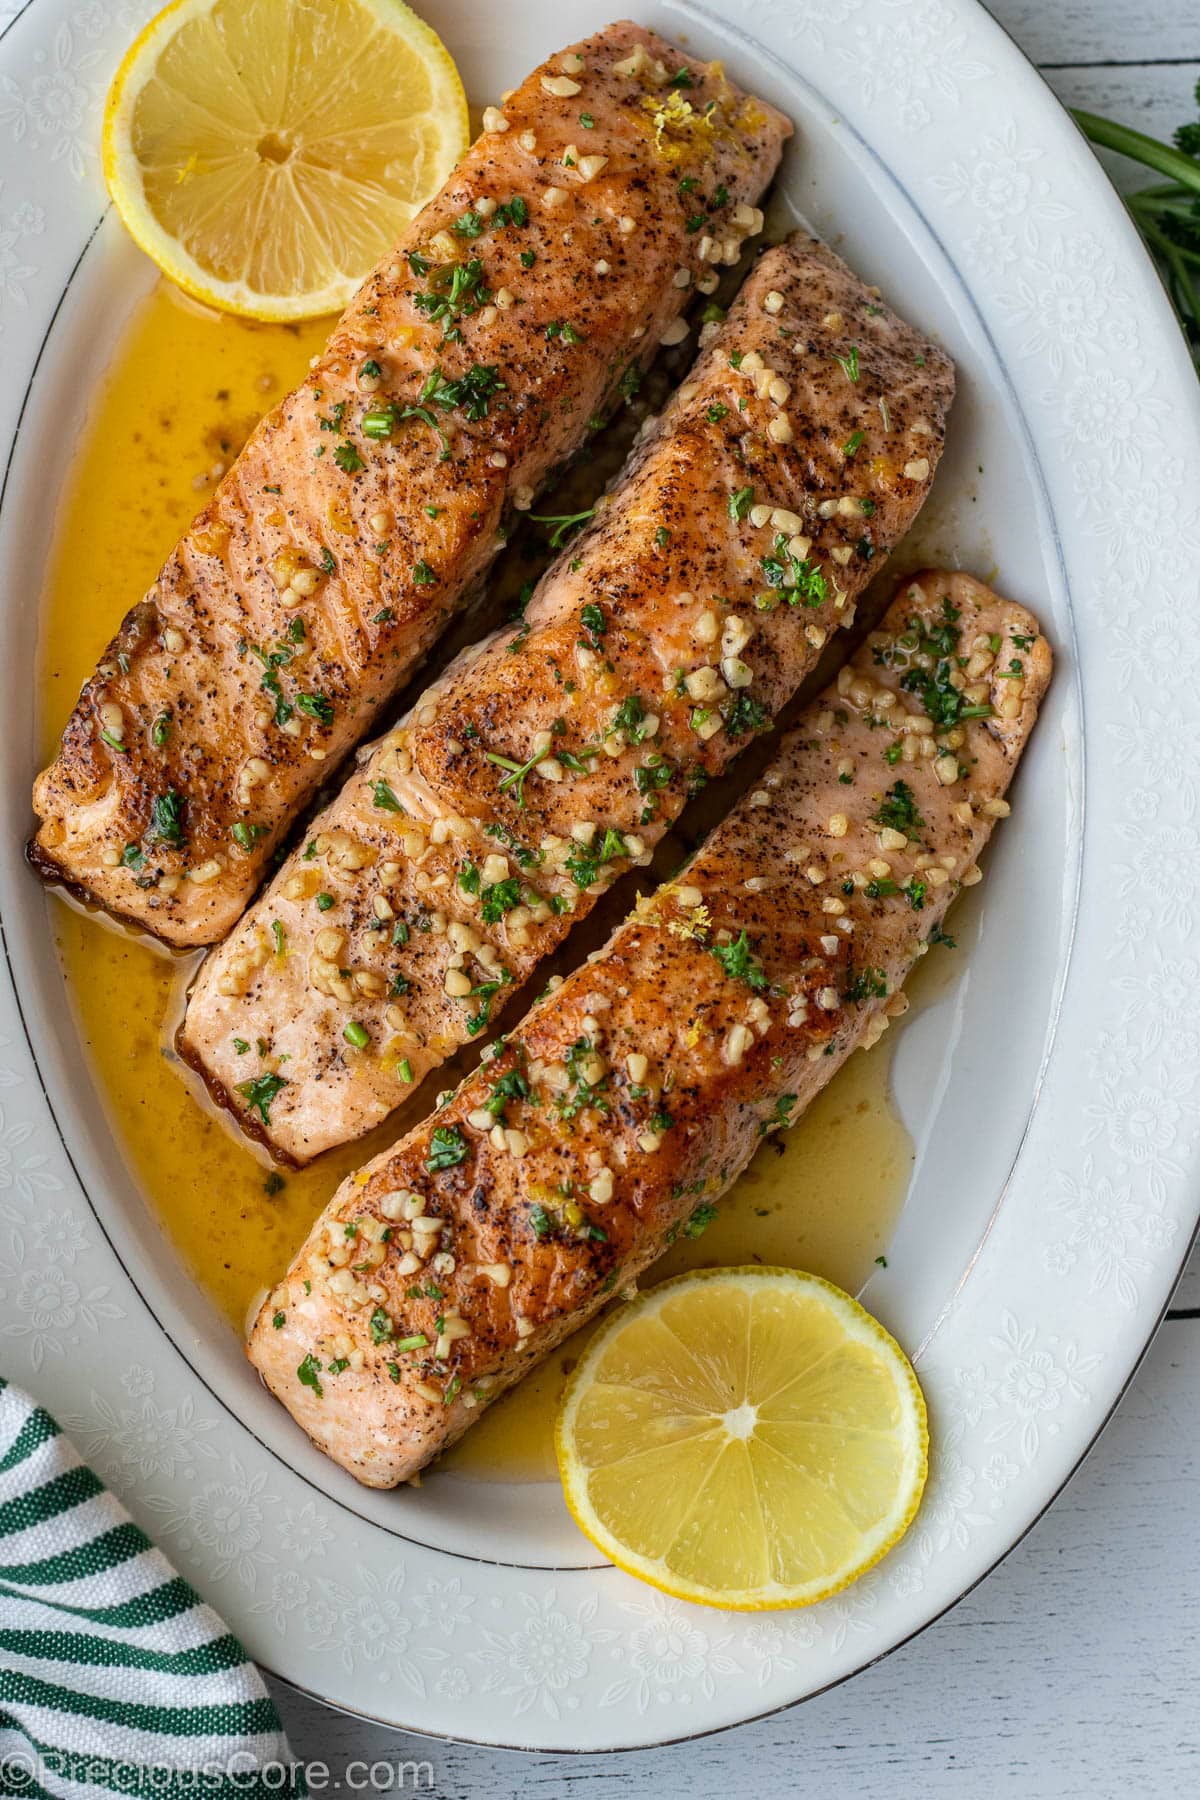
column 1073, row 1672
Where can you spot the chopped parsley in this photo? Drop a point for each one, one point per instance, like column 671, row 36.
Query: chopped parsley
column 849, row 363
column 259, row 1093
column 585, row 862
column 498, row 899
column 897, row 811
column 447, row 1149
column 317, row 706
column 510, row 1086
column 739, row 962
column 867, row 984
column 592, row 619
column 783, row 1108
column 941, row 699
column 744, row 714
column 798, row 578
column 628, row 718
column 485, row 992
column 309, row 1375
column 167, row 820
column 452, row 294
column 653, row 775
column 470, row 394
column 348, row 460
column 582, row 1092
column 700, row 1221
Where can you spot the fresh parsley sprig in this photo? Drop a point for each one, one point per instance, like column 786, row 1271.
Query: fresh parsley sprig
column 1167, row 214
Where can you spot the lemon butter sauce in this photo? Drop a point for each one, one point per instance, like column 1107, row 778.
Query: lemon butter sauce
column 185, row 388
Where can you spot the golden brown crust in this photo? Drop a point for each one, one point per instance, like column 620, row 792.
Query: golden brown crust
column 672, row 583
column 640, row 1088
column 210, row 722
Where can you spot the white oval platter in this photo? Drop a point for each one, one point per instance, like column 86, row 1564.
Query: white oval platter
column 1051, row 1092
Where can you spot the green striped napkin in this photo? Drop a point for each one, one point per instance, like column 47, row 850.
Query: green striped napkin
column 114, row 1675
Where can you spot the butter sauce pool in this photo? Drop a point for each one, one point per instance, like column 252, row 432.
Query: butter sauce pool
column 184, row 390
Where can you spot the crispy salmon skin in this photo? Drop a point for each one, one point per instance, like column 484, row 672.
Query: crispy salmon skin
column 626, row 1102
column 796, row 454
column 519, row 306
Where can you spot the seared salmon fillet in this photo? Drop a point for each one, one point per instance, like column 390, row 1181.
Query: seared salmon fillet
column 560, row 750
column 519, row 306
column 637, row 1091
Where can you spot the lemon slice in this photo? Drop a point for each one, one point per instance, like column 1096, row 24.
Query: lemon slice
column 265, row 153
column 745, row 1438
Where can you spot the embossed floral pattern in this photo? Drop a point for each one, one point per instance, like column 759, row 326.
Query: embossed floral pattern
column 54, row 109
column 49, row 1309
column 287, row 1599
column 365, row 1623
column 305, row 1531
column 58, row 1235
column 546, row 1654
column 668, row 1658
column 143, row 1440
column 23, row 1173
column 1106, row 1226
column 225, row 1520
column 444, row 1607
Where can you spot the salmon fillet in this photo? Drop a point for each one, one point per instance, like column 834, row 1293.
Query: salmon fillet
column 624, row 1103
column 518, row 307
column 558, row 752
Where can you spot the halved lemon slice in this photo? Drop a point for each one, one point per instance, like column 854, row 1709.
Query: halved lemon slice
column 745, row 1438
column 265, row 153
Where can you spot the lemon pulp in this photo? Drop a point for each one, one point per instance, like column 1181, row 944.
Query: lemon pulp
column 745, row 1438
column 265, row 153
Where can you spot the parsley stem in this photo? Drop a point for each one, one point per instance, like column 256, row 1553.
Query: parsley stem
column 515, row 779
column 1155, row 155
column 562, row 523
column 1167, row 214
